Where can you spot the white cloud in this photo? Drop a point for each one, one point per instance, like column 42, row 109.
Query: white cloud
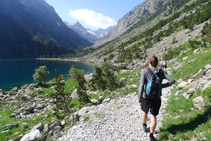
column 91, row 18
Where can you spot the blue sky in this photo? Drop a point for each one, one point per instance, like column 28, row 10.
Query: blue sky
column 93, row 14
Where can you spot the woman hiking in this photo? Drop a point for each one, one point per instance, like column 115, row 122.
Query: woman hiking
column 150, row 92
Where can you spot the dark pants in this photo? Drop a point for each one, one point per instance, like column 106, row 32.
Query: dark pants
column 152, row 105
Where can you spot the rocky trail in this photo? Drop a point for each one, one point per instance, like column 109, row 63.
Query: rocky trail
column 113, row 120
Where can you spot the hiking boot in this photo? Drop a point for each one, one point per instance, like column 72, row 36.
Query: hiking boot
column 152, row 138
column 144, row 127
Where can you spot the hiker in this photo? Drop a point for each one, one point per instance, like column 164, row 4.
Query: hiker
column 163, row 65
column 152, row 101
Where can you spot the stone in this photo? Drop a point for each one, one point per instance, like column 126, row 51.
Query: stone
column 185, row 58
column 15, row 89
column 122, row 81
column 12, row 93
column 198, row 102
column 54, row 124
column 106, row 100
column 190, row 81
column 94, row 101
column 31, row 86
column 39, row 126
column 207, row 67
column 199, row 74
column 187, row 95
column 32, row 136
column 25, row 98
column 182, row 85
column 196, row 50
column 24, row 125
column 29, row 109
column 40, row 106
column 134, row 86
column 207, row 85
column 124, row 71
column 63, row 123
column 179, row 81
column 74, row 94
column 46, row 129
column 191, row 90
column 57, row 129
column 88, row 77
column 29, row 92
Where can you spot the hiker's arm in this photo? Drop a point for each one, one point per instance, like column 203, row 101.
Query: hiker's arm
column 141, row 87
column 169, row 78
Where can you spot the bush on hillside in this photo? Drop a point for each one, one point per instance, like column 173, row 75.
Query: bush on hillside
column 78, row 75
column 104, row 78
column 61, row 99
column 41, row 74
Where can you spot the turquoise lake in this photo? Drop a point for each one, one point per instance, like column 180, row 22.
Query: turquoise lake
column 18, row 72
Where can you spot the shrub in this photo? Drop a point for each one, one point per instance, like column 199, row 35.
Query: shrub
column 41, row 74
column 61, row 99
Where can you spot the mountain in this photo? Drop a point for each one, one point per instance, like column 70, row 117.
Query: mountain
column 151, row 28
column 83, row 33
column 88, row 34
column 16, row 42
column 101, row 32
column 39, row 18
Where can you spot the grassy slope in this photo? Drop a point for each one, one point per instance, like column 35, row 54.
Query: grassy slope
column 184, row 121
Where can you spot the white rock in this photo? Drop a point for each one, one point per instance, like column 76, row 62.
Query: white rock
column 32, row 136
column 187, row 95
column 185, row 58
column 74, row 94
column 88, row 77
column 182, row 85
column 198, row 102
column 125, row 71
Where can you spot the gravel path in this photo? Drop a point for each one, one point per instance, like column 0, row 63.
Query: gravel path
column 114, row 120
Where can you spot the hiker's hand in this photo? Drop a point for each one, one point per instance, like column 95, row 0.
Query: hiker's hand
column 140, row 104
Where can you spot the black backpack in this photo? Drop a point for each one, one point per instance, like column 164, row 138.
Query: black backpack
column 154, row 86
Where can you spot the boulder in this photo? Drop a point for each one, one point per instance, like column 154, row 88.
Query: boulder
column 95, row 101
column 207, row 85
column 88, row 77
column 12, row 93
column 182, row 85
column 198, row 102
column 74, row 94
column 191, row 90
column 25, row 98
column 32, row 136
column 195, row 51
column 57, row 129
column 39, row 126
column 187, row 95
column 54, row 124
column 40, row 106
column 207, row 67
column 185, row 58
column 122, row 80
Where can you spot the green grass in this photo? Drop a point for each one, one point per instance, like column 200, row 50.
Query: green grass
column 70, row 86
column 188, row 70
column 17, row 131
column 184, row 121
